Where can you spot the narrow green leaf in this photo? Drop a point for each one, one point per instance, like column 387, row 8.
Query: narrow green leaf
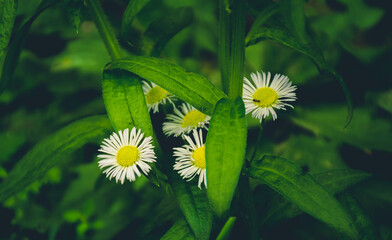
column 7, row 18
column 133, row 8
column 194, row 205
column 262, row 17
column 163, row 29
column 16, row 46
column 179, row 231
column 190, row 87
column 226, row 230
column 333, row 181
column 225, row 153
column 289, row 180
column 126, row 106
column 50, row 151
column 288, row 29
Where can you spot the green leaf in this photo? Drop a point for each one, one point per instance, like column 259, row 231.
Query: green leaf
column 16, row 46
column 225, row 153
column 194, row 205
column 125, row 101
column 288, row 29
column 133, row 8
column 333, row 181
column 50, row 151
column 365, row 131
column 226, row 230
column 180, row 230
column 190, row 87
column 363, row 223
column 126, row 105
column 289, row 180
column 7, row 18
column 163, row 29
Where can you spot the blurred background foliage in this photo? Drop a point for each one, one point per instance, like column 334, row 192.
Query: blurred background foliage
column 58, row 80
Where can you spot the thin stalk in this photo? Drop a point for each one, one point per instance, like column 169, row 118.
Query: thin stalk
column 105, row 29
column 237, row 54
column 224, row 43
column 248, row 209
column 226, row 230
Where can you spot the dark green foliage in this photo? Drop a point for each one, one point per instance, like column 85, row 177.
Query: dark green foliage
column 288, row 179
column 194, row 205
column 50, row 151
column 7, row 18
column 69, row 79
column 15, row 48
column 334, row 181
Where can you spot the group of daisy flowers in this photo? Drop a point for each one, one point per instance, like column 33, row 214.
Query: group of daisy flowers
column 128, row 153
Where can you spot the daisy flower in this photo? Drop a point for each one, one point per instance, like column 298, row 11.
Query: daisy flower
column 156, row 95
column 125, row 153
column 184, row 121
column 191, row 159
column 262, row 97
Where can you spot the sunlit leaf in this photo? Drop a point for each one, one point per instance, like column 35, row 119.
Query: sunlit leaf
column 190, row 87
column 50, row 151
column 290, row 181
column 225, row 153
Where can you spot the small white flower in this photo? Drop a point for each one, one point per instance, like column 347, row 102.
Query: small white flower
column 184, row 121
column 126, row 153
column 261, row 97
column 191, row 159
column 156, row 95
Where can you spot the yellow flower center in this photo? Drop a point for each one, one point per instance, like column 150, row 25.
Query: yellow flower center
column 199, row 155
column 127, row 156
column 193, row 118
column 265, row 97
column 156, row 94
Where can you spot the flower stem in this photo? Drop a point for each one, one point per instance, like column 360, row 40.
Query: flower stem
column 237, row 54
column 105, row 30
column 224, row 43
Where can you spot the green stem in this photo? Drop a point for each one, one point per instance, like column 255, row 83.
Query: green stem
column 226, row 230
column 224, row 43
column 237, row 55
column 248, row 210
column 105, row 30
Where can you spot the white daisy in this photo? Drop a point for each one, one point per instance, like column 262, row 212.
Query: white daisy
column 261, row 97
column 191, row 159
column 156, row 95
column 184, row 121
column 126, row 153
